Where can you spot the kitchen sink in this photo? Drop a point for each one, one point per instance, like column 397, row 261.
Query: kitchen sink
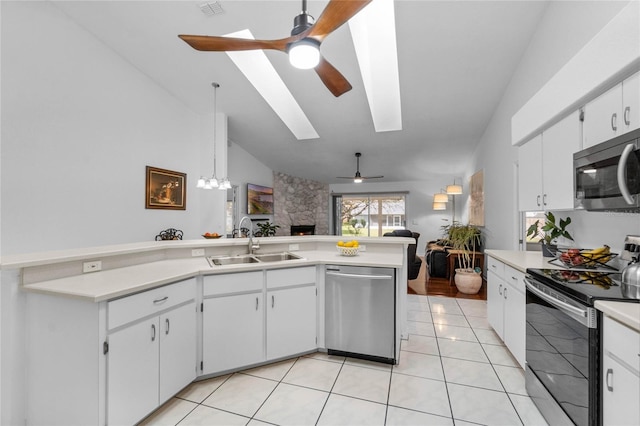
column 276, row 257
column 251, row 258
column 231, row 260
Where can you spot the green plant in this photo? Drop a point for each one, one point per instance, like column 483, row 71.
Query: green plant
column 267, row 229
column 550, row 231
column 466, row 239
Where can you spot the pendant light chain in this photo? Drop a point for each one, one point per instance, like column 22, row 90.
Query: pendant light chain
column 213, row 182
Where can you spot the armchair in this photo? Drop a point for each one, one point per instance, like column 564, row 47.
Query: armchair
column 414, row 261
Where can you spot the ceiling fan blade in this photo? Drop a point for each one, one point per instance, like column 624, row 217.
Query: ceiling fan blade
column 372, row 177
column 331, row 77
column 334, row 15
column 344, row 177
column 223, row 44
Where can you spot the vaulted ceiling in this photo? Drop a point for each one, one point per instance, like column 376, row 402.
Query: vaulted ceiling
column 455, row 60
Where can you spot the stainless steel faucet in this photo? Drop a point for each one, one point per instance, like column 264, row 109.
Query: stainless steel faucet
column 252, row 246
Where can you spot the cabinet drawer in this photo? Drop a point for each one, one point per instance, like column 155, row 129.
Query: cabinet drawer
column 131, row 308
column 514, row 278
column 291, row 277
column 495, row 266
column 622, row 341
column 232, row 283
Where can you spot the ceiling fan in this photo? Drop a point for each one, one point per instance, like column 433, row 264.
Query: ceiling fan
column 359, row 178
column 306, row 37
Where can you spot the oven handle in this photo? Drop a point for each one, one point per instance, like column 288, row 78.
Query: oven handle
column 624, row 190
column 582, row 313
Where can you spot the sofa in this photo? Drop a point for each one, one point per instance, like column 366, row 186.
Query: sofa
column 414, row 261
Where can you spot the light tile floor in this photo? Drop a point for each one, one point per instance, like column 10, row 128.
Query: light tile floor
column 453, row 370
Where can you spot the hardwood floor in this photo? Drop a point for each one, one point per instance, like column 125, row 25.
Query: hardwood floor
column 440, row 287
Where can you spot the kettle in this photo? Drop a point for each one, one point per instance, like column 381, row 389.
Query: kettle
column 631, row 280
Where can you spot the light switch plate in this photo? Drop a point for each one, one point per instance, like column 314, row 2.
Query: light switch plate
column 197, row 252
column 293, row 247
column 362, row 247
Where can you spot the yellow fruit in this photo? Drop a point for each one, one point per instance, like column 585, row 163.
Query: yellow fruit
column 340, row 243
column 355, row 243
column 349, row 244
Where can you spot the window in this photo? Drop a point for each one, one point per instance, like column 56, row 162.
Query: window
column 531, row 243
column 368, row 215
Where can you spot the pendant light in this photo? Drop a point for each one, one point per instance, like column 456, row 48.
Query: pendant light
column 454, row 189
column 212, row 182
column 439, row 206
column 441, row 197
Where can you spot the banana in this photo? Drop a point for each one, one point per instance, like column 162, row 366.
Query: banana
column 597, row 255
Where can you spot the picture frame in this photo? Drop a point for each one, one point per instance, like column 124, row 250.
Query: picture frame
column 476, row 203
column 259, row 199
column 165, row 189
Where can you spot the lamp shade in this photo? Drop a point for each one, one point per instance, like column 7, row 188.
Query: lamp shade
column 440, row 198
column 439, row 206
column 454, row 189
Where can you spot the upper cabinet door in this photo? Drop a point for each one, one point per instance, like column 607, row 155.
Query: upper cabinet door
column 603, row 117
column 631, row 103
column 530, row 175
column 559, row 142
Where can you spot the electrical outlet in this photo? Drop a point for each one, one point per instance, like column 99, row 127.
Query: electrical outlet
column 362, row 247
column 197, row 252
column 94, row 266
column 293, row 247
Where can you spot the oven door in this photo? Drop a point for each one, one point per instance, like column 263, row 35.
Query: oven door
column 608, row 179
column 562, row 356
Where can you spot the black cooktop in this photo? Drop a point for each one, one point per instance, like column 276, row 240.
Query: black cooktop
column 586, row 286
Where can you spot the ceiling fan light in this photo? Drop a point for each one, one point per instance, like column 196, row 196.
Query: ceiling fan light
column 304, row 54
column 357, row 180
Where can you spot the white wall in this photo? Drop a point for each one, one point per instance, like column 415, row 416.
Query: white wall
column 79, row 125
column 245, row 168
column 554, row 43
column 419, row 213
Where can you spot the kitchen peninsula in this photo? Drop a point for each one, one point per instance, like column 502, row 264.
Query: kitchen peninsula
column 107, row 347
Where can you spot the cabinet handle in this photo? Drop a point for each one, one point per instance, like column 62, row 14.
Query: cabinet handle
column 500, row 290
column 538, row 200
column 153, row 332
column 493, row 266
column 625, row 117
column 544, row 199
column 167, row 324
column 161, row 300
column 614, row 119
column 273, row 300
column 609, row 374
column 505, row 292
column 256, row 303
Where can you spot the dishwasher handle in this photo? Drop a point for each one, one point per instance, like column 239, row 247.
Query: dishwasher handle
column 359, row 276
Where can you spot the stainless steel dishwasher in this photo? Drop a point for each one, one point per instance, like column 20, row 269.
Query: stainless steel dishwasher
column 360, row 312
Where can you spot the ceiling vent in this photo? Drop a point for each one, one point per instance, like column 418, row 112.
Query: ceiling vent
column 211, row 8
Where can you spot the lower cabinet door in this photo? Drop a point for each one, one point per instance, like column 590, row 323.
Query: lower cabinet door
column 132, row 372
column 291, row 321
column 177, row 350
column 620, row 394
column 232, row 332
column 495, row 303
column 515, row 323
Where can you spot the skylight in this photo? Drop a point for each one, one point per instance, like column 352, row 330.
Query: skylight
column 255, row 65
column 373, row 31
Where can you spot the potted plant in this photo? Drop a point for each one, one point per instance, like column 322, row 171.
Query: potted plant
column 267, row 229
column 465, row 239
column 549, row 233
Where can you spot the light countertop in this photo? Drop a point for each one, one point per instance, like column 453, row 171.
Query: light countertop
column 114, row 283
column 521, row 260
column 625, row 313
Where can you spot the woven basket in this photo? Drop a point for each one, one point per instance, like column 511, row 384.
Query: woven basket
column 347, row 251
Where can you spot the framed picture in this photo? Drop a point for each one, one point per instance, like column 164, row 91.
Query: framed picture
column 259, row 199
column 165, row 189
column 476, row 204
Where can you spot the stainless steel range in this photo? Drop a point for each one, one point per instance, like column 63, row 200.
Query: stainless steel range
column 563, row 342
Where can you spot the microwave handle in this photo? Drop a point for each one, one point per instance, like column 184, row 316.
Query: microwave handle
column 621, row 178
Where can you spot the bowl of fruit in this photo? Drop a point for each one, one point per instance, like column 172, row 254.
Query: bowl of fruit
column 348, row 248
column 211, row 235
column 586, row 258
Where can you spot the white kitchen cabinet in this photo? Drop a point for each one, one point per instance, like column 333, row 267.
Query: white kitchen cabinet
column 153, row 355
column 545, row 167
column 615, row 112
column 506, row 306
column 232, row 321
column 291, row 312
column 621, row 374
column 232, row 332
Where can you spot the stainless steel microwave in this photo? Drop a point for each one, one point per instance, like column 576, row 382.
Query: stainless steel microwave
column 607, row 175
